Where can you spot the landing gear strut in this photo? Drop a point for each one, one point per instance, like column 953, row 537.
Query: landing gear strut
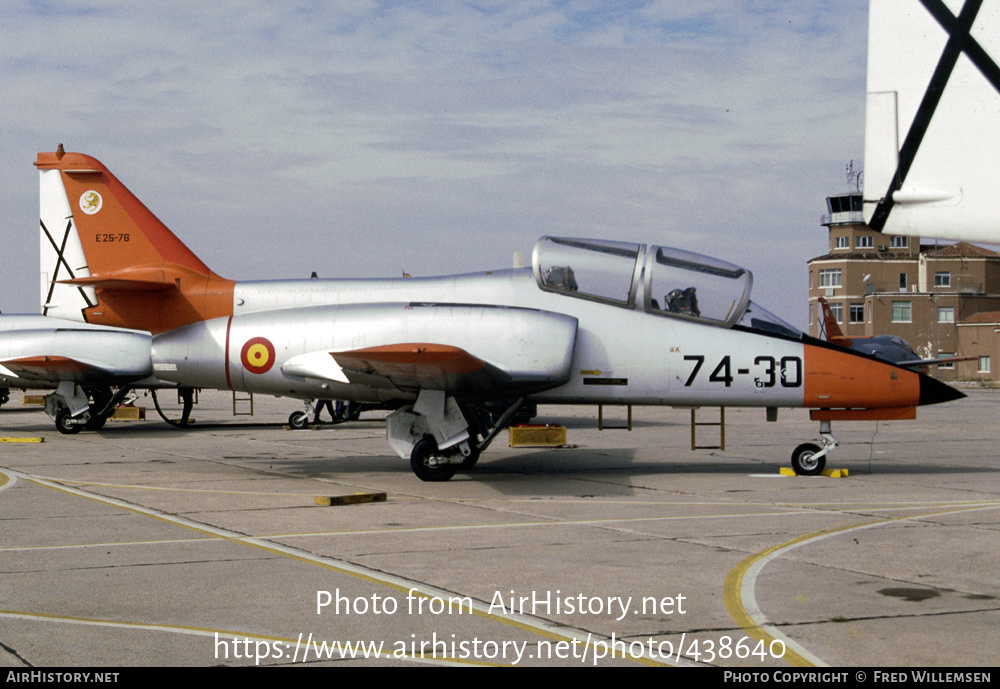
column 75, row 409
column 439, row 436
column 809, row 459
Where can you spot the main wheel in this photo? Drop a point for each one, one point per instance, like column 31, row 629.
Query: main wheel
column 64, row 422
column 299, row 420
column 470, row 461
column 95, row 423
column 423, row 462
column 805, row 462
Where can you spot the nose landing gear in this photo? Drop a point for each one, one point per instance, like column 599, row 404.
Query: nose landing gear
column 808, row 459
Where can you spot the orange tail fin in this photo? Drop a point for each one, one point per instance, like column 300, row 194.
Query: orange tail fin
column 833, row 331
column 107, row 259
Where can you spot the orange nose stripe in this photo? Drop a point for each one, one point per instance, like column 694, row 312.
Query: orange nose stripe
column 839, row 379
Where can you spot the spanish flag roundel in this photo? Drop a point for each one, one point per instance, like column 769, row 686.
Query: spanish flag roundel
column 257, row 355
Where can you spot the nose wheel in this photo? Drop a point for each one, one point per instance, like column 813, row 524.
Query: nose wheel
column 809, row 458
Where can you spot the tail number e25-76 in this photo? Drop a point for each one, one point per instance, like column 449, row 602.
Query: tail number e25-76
column 768, row 372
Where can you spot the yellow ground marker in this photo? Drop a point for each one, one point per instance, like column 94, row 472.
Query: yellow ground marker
column 829, row 473
column 22, row 440
column 356, row 499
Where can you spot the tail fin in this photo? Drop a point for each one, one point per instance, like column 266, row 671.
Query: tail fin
column 933, row 110
column 105, row 258
column 833, row 332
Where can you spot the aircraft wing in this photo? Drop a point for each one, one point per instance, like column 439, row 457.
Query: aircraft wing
column 426, row 365
column 413, row 366
column 480, row 351
column 36, row 351
column 933, row 108
column 934, row 362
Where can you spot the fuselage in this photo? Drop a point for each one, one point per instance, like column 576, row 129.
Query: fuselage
column 620, row 354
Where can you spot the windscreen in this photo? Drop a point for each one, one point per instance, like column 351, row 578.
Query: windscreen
column 684, row 284
column 587, row 268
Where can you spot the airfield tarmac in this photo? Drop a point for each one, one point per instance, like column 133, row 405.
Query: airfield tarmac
column 147, row 545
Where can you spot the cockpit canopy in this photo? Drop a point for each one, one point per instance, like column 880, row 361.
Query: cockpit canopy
column 660, row 280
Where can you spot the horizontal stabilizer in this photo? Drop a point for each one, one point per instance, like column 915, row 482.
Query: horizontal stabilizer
column 105, row 258
column 119, row 284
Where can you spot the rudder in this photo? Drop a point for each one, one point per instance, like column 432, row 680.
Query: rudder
column 105, row 258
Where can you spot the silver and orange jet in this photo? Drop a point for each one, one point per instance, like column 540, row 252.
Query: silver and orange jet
column 589, row 322
column 91, row 367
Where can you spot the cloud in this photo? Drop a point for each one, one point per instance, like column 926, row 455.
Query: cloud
column 358, row 138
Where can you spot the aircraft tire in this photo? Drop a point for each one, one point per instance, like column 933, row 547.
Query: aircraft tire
column 803, row 460
column 419, row 462
column 96, row 422
column 298, row 420
column 470, row 461
column 64, row 423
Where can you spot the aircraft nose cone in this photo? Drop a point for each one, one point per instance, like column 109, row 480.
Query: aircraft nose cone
column 933, row 391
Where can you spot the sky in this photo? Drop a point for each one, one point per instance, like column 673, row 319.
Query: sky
column 368, row 138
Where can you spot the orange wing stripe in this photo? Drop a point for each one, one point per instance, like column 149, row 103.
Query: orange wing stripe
column 49, row 363
column 411, row 359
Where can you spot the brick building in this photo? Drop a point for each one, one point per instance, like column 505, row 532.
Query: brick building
column 942, row 299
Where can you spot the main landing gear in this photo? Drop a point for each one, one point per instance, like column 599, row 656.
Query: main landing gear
column 441, row 437
column 75, row 409
column 808, row 459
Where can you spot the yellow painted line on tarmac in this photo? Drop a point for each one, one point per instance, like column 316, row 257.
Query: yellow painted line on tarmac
column 22, row 440
column 274, row 642
column 410, row 588
column 794, row 508
column 741, row 602
column 165, row 489
column 107, row 544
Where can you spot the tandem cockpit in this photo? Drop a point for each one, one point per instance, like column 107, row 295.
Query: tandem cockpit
column 659, row 280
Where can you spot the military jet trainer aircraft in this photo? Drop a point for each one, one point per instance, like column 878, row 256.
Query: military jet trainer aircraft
column 932, row 114
column 82, row 362
column 889, row 348
column 590, row 322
